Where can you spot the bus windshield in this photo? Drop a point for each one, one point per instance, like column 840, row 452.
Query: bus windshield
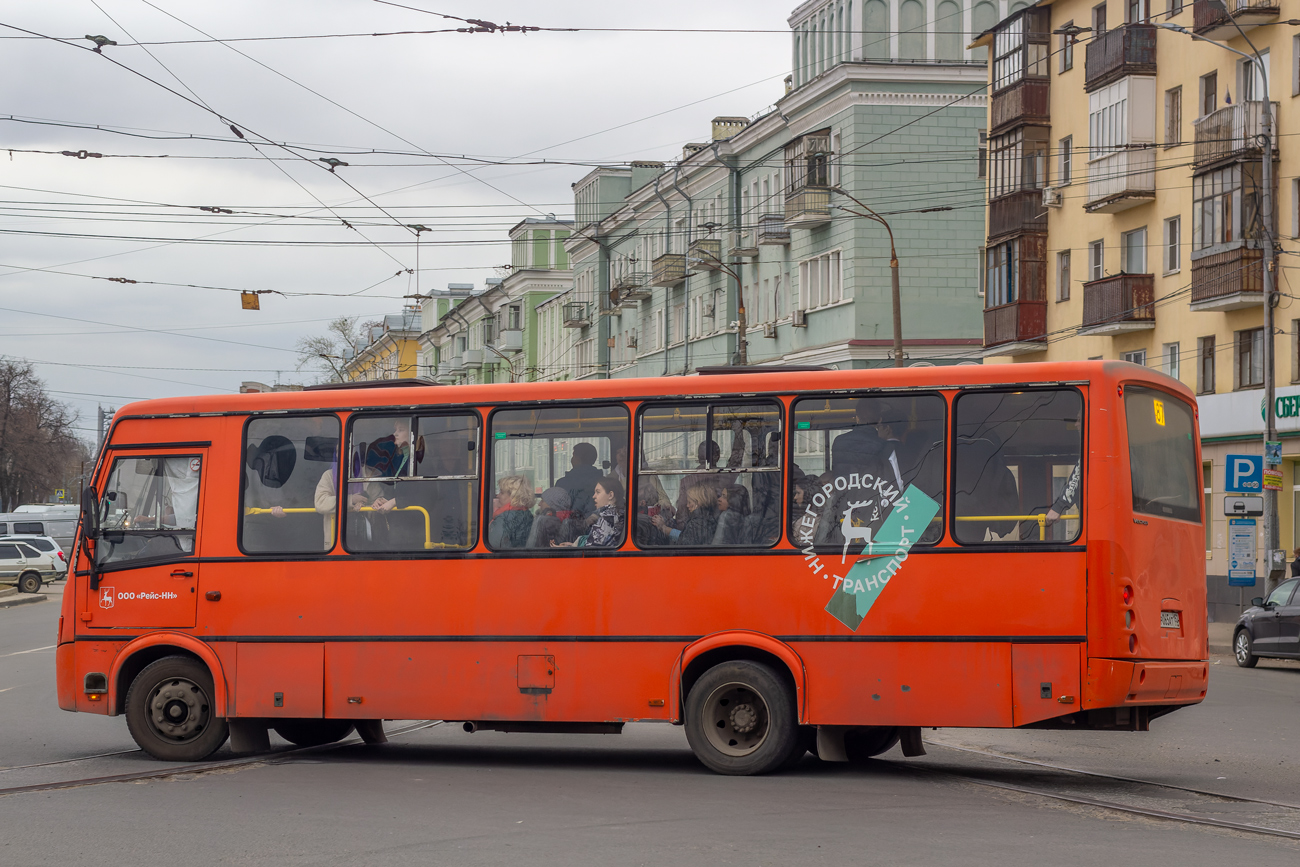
column 1162, row 454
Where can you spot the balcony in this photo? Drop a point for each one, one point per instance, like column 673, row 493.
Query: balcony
column 1233, row 280
column 1017, row 213
column 772, row 230
column 511, row 340
column 1214, row 19
column 705, row 254
column 1121, row 180
column 455, row 365
column 1126, row 50
column 1229, row 134
column 446, row 372
column 1017, row 328
column 808, row 207
column 1119, row 304
column 472, row 358
column 633, row 286
column 1023, row 103
column 575, row 315
column 668, row 269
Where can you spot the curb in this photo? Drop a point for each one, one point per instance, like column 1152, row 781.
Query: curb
column 22, row 599
column 1215, row 649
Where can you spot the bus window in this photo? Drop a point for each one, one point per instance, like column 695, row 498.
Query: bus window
column 149, row 509
column 413, row 483
column 854, row 458
column 547, row 466
column 709, row 475
column 290, row 471
column 1017, row 472
column 1162, row 454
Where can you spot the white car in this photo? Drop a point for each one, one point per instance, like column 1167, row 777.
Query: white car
column 45, row 545
column 25, row 566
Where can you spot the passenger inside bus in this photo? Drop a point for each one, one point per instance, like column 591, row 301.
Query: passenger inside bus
column 284, row 461
column 606, row 530
column 512, row 517
column 580, row 481
column 555, row 520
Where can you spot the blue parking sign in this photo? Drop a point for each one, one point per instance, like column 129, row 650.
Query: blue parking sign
column 1243, row 474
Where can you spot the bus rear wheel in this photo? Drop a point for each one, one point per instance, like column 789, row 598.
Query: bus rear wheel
column 170, row 712
column 740, row 719
column 313, row 732
column 29, row 582
column 868, row 742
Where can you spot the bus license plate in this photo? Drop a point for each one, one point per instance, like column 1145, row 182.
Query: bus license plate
column 1170, row 620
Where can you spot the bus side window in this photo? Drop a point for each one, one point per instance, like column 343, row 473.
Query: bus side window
column 412, row 483
column 551, row 469
column 709, row 475
column 289, row 500
column 854, row 458
column 1017, row 473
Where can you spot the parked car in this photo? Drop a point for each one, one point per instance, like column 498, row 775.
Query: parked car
column 1270, row 627
column 45, row 545
column 25, row 566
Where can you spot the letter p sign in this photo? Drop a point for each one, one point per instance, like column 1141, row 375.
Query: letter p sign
column 1244, row 474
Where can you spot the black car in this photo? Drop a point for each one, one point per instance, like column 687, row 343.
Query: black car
column 1270, row 627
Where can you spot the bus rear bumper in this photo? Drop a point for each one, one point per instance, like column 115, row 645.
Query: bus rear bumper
column 1123, row 682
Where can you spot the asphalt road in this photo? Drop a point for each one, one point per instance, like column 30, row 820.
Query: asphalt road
column 441, row 796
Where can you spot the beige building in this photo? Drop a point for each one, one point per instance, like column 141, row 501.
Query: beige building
column 1124, row 172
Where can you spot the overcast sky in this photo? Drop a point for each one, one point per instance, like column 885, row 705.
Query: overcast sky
column 587, row 97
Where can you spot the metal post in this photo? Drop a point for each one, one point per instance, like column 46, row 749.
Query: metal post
column 1275, row 564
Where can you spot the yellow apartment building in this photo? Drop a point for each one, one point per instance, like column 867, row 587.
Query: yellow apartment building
column 1124, row 221
column 389, row 349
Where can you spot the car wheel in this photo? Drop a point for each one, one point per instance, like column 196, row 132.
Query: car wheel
column 868, row 742
column 170, row 711
column 313, row 732
column 29, row 582
column 1242, row 651
column 740, row 719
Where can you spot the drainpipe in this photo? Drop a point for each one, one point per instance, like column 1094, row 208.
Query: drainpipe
column 668, row 238
column 690, row 230
column 741, row 356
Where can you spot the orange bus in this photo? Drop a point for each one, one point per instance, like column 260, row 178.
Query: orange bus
column 779, row 561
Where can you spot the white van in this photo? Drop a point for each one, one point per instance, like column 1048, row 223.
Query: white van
column 56, row 521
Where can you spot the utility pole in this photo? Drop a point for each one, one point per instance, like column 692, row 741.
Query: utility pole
column 105, row 416
column 896, row 295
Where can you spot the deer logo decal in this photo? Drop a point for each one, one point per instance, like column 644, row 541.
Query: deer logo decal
column 852, row 533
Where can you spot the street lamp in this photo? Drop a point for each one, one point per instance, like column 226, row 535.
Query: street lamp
column 893, row 271
column 1276, row 558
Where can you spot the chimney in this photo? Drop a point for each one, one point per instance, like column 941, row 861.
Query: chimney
column 692, row 148
column 725, row 127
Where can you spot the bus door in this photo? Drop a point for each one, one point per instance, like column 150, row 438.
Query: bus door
column 146, row 554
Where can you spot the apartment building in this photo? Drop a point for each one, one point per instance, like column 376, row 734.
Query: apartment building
column 388, row 349
column 1124, row 211
column 741, row 249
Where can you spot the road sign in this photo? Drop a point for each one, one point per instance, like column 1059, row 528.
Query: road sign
column 1241, row 552
column 1244, row 474
column 60, row 495
column 1243, row 507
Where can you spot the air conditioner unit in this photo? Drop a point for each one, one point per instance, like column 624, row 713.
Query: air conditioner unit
column 769, row 329
column 1052, row 197
column 800, row 319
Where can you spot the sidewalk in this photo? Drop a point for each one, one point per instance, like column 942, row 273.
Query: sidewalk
column 1221, row 638
column 11, row 598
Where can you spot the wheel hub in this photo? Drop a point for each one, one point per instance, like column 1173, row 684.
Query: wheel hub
column 744, row 718
column 178, row 710
column 738, row 719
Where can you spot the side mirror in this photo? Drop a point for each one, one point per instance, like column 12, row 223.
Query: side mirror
column 90, row 513
column 1258, row 602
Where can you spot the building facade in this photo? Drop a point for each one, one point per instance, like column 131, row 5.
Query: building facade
column 1124, row 212
column 388, row 349
column 742, row 251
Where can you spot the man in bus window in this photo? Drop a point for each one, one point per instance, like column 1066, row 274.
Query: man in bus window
column 580, row 481
column 861, row 449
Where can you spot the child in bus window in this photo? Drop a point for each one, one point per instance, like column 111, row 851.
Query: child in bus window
column 607, row 530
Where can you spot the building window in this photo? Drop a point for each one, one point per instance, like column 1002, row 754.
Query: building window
column 1216, row 207
column 1063, row 275
column 979, row 269
column 1019, row 161
column 1295, row 72
column 1096, row 260
column 1209, row 93
column 1137, row 11
column 1020, row 50
column 1295, row 211
column 983, row 167
column 1066, row 162
column 1173, row 7
column 1250, row 358
column 1133, row 251
column 1098, row 20
column 1295, row 357
column 1205, row 366
column 1170, row 355
column 1000, row 283
column 1067, row 46
column 1207, row 490
column 1136, row 357
column 1250, row 84
column 1173, row 117
column 820, row 281
column 1173, row 236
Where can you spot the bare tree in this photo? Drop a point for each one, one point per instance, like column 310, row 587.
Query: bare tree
column 327, row 353
column 38, row 450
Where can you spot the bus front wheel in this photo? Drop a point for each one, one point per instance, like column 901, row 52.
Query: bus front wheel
column 313, row 732
column 170, row 713
column 740, row 719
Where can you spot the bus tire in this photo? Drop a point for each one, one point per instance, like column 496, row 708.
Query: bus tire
column 170, row 712
column 29, row 582
column 313, row 732
column 740, row 719
column 1241, row 649
column 868, row 742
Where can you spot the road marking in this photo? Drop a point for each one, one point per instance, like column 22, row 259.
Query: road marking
column 7, row 688
column 33, row 650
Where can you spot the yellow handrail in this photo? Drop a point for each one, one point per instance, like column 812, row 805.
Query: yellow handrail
column 1041, row 519
column 428, row 538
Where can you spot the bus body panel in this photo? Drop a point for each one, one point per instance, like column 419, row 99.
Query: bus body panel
column 960, row 636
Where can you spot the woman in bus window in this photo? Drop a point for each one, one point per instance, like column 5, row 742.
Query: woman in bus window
column 512, row 516
column 607, row 530
column 733, row 509
column 701, row 521
column 651, row 501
